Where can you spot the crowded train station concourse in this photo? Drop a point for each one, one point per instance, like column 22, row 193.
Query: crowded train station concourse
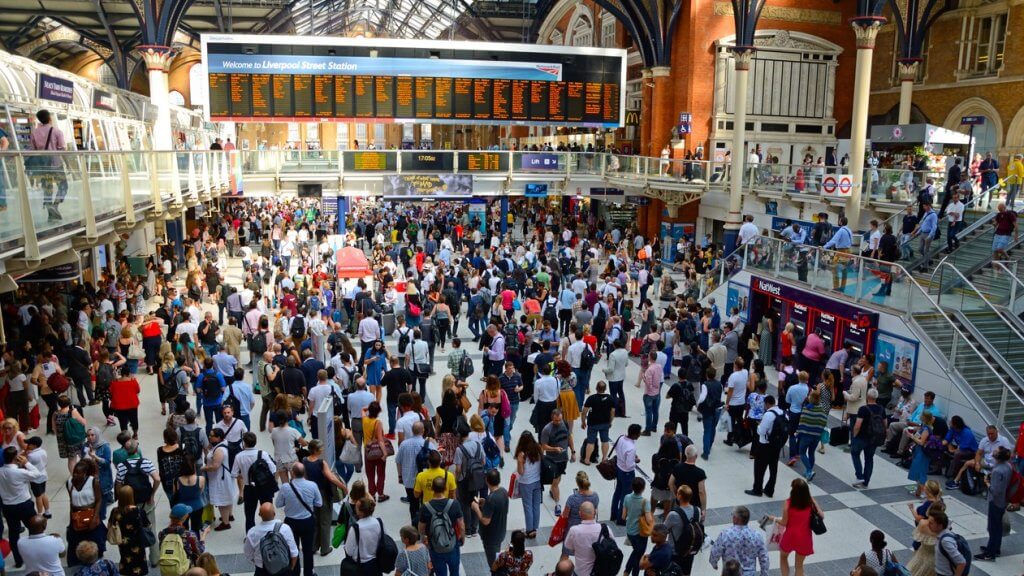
column 519, row 287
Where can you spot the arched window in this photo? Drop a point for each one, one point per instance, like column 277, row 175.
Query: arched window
column 175, row 98
column 105, row 75
column 197, row 84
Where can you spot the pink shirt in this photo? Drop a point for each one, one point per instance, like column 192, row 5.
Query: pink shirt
column 579, row 542
column 37, row 140
column 653, row 379
column 507, row 297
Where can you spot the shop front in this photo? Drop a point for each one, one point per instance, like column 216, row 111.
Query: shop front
column 839, row 323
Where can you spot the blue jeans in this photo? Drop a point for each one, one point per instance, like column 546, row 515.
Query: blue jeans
column 445, row 562
column 651, row 405
column 794, row 448
column 639, row 544
column 623, row 486
column 509, row 422
column 858, row 445
column 710, row 425
column 345, row 471
column 211, row 414
column 531, row 495
column 582, row 383
column 808, row 444
column 995, row 529
column 618, row 396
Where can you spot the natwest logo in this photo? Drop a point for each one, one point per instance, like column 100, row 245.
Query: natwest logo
column 768, row 287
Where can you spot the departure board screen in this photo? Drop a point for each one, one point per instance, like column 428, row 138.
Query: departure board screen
column 302, row 88
column 483, row 162
column 370, row 161
column 287, row 78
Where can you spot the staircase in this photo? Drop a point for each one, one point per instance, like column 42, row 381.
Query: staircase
column 997, row 284
column 982, row 372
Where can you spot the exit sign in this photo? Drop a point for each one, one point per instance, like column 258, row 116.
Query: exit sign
column 972, row 121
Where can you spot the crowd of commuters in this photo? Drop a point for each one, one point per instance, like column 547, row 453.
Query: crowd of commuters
column 559, row 307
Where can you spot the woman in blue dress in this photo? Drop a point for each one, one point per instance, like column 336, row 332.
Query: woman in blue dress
column 374, row 365
column 922, row 461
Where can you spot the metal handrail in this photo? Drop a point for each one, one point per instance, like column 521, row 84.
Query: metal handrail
column 912, row 282
column 988, row 217
column 1015, row 281
column 938, row 299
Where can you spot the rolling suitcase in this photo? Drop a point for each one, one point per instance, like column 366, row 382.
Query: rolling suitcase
column 388, row 320
column 839, row 436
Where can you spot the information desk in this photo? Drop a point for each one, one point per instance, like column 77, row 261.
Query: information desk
column 290, row 78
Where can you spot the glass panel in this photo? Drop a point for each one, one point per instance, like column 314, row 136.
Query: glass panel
column 10, row 203
column 58, row 180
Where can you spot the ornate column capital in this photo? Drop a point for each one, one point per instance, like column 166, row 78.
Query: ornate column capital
column 866, row 32
column 661, row 71
column 908, row 70
column 742, row 57
column 157, row 57
column 646, row 73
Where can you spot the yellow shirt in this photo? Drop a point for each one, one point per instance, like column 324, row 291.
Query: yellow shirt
column 369, row 430
column 1015, row 172
column 425, row 483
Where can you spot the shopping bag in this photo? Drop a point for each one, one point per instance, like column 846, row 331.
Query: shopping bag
column 208, row 513
column 725, row 423
column 338, row 538
column 513, row 486
column 33, row 417
column 558, row 531
column 774, row 530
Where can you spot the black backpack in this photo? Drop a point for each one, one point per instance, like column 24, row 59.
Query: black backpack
column 211, row 386
column 691, row 536
column 550, row 313
column 139, row 480
column 403, row 340
column 190, row 443
column 257, row 344
column 260, row 476
column 231, row 401
column 607, row 554
column 423, row 458
column 298, row 330
column 876, row 427
column 473, row 470
column 779, row 433
column 694, row 368
column 587, row 358
column 688, row 332
column 233, row 447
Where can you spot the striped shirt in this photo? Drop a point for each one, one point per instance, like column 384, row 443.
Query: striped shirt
column 812, row 420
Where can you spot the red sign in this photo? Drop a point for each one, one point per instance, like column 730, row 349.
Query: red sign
column 829, row 184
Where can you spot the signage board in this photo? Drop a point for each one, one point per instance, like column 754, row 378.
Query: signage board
column 539, row 161
column 427, row 160
column 536, row 190
column 972, row 120
column 103, row 100
column 428, row 185
column 483, row 162
column 369, row 161
column 56, row 89
column 291, row 79
column 827, row 306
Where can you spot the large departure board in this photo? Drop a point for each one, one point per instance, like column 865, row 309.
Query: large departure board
column 287, row 78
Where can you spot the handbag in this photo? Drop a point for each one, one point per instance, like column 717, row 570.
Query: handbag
column 114, row 536
column 465, row 403
column 82, row 519
column 148, row 537
column 558, row 531
column 817, row 522
column 375, row 452
column 208, row 513
column 350, row 453
column 608, row 468
column 646, row 526
column 506, row 406
column 338, row 538
column 135, row 351
column 513, row 486
column 825, row 436
column 775, row 532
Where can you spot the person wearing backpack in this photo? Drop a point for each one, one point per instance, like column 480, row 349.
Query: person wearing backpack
column 299, row 498
column 685, row 531
column 1001, row 481
column 952, row 552
column 580, row 539
column 470, row 470
column 443, row 528
column 406, row 458
column 270, row 545
column 254, row 470
column 210, row 387
column 179, row 547
column 868, row 434
column 772, row 434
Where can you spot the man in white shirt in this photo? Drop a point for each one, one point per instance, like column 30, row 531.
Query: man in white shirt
column 748, row 231
column 252, row 495
column 736, row 392
column 358, row 400
column 369, row 332
column 40, row 552
column 545, row 393
column 955, row 216
column 625, row 469
column 766, row 452
column 984, row 458
column 19, row 506
column 268, row 523
column 579, row 541
column 187, row 327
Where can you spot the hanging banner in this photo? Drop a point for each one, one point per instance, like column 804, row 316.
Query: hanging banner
column 62, row 273
column 428, row 185
column 55, row 89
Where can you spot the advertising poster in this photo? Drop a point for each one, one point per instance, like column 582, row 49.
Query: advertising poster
column 738, row 296
column 900, row 354
column 428, row 185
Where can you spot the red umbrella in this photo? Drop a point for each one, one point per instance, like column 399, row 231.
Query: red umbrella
column 350, row 262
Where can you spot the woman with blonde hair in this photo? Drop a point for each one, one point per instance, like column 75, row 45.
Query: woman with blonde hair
column 12, row 435
column 567, row 401
column 922, row 563
column 583, row 493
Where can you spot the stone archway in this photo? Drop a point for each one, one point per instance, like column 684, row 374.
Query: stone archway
column 988, row 138
column 1014, row 142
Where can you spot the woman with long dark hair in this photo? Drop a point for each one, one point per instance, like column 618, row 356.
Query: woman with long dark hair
column 516, row 560
column 130, row 521
column 528, row 455
column 796, row 519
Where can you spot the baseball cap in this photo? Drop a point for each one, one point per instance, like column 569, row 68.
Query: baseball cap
column 180, row 511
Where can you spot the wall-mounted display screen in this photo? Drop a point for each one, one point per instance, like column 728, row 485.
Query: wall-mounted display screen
column 290, row 79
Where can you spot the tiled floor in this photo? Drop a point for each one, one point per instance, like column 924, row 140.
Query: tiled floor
column 850, row 514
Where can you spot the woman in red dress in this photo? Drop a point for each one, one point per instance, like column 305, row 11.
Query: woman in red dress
column 796, row 519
